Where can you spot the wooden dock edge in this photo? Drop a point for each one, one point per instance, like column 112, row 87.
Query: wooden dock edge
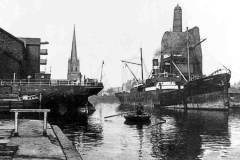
column 67, row 146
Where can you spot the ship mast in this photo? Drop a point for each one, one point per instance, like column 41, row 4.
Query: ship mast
column 191, row 47
column 131, row 72
column 189, row 74
column 141, row 64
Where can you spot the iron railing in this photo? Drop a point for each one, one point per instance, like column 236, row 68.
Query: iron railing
column 52, row 82
column 221, row 70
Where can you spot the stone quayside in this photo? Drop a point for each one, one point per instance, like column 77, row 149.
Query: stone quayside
column 31, row 144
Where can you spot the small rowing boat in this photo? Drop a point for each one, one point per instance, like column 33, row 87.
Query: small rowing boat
column 133, row 117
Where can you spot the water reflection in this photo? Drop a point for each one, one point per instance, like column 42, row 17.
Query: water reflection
column 185, row 135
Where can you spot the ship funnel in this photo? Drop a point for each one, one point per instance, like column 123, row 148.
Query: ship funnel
column 155, row 64
column 177, row 19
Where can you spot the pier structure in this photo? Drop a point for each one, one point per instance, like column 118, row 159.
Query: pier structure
column 31, row 144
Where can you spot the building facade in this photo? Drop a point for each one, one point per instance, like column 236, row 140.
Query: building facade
column 20, row 57
column 12, row 55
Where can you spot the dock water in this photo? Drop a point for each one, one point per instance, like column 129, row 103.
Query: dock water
column 31, row 144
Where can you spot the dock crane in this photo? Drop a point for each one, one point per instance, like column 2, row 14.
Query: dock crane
column 131, row 72
column 139, row 64
column 101, row 71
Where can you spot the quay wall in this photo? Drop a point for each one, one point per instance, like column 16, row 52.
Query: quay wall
column 67, row 146
column 32, row 144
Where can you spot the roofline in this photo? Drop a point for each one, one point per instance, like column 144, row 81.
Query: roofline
column 12, row 36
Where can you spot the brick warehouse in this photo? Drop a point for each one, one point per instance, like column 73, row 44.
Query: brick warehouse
column 21, row 56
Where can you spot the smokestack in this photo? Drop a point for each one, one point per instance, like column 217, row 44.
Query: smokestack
column 177, row 19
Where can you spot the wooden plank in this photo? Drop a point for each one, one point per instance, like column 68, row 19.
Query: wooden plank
column 30, row 110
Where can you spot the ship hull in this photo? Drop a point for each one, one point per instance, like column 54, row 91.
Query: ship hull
column 210, row 93
column 65, row 102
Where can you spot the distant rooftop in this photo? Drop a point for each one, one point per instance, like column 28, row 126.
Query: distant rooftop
column 35, row 41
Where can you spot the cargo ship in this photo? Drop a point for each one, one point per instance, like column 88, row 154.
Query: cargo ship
column 176, row 80
column 23, row 85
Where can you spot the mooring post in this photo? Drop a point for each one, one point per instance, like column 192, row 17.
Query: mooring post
column 40, row 98
column 45, row 124
column 16, row 124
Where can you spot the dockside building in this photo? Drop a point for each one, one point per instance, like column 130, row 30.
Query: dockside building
column 21, row 57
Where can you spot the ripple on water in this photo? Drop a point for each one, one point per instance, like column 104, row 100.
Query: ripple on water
column 191, row 135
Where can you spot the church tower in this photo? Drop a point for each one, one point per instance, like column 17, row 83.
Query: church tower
column 73, row 62
column 177, row 19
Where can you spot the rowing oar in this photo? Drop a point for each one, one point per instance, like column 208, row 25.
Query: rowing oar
column 114, row 115
column 118, row 114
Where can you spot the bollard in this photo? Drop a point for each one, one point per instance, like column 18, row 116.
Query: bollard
column 45, row 124
column 40, row 98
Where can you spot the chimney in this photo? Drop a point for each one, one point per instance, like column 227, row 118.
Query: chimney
column 177, row 19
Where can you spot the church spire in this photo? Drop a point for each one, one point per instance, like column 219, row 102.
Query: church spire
column 74, row 47
column 73, row 62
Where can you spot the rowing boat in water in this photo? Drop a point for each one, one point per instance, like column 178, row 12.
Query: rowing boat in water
column 133, row 117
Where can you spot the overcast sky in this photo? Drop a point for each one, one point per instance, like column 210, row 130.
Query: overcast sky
column 112, row 30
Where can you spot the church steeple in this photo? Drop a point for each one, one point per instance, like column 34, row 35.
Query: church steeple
column 73, row 62
column 74, row 47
